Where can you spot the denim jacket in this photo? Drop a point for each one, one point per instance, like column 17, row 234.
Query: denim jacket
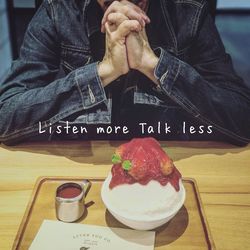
column 194, row 71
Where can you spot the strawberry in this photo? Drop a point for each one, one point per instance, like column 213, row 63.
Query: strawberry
column 165, row 163
column 167, row 166
column 142, row 160
column 141, row 156
column 138, row 169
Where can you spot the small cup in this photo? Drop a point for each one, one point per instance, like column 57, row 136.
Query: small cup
column 70, row 200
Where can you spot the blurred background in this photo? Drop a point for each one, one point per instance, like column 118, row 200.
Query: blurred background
column 232, row 18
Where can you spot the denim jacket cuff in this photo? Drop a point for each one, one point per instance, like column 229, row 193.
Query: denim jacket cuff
column 167, row 69
column 90, row 86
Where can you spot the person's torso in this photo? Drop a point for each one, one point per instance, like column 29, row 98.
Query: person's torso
column 174, row 26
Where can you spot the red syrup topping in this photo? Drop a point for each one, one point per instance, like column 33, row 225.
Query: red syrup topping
column 121, row 176
column 69, row 192
column 146, row 156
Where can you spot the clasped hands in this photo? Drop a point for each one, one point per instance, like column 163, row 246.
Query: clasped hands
column 127, row 44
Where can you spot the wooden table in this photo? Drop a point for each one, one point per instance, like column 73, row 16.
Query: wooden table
column 222, row 172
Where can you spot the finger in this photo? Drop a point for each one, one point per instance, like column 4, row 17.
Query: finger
column 126, row 5
column 133, row 12
column 146, row 18
column 126, row 27
column 107, row 28
column 144, row 35
column 144, row 15
column 137, row 9
column 121, row 17
column 143, row 5
column 116, row 18
column 112, row 8
column 140, row 11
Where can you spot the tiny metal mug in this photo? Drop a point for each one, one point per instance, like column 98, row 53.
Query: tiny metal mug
column 71, row 206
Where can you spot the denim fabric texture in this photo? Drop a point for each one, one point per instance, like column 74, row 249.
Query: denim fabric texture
column 194, row 72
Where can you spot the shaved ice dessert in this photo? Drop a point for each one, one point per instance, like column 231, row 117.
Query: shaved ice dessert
column 143, row 185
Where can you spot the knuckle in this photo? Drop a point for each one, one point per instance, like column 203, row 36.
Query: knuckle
column 138, row 17
column 122, row 17
column 119, row 15
column 110, row 17
column 123, row 2
column 126, row 24
column 137, row 24
column 125, row 9
column 115, row 3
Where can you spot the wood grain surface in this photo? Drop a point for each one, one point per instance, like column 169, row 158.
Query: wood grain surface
column 221, row 171
column 187, row 230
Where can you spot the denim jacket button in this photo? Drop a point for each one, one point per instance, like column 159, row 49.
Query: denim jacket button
column 164, row 76
column 92, row 97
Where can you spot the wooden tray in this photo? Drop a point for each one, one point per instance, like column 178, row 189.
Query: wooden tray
column 187, row 230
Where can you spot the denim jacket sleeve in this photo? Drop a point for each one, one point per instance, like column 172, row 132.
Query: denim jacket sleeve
column 208, row 88
column 31, row 94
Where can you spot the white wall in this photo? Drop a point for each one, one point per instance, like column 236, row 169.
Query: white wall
column 24, row 3
column 5, row 47
column 228, row 4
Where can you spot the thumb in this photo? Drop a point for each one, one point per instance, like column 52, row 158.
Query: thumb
column 144, row 35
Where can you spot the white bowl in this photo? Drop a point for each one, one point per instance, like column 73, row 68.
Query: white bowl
column 145, row 222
